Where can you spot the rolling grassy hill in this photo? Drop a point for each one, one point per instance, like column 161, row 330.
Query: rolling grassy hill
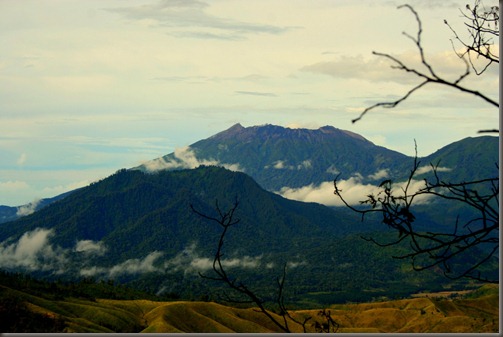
column 477, row 311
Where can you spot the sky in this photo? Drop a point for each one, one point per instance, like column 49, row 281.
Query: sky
column 90, row 87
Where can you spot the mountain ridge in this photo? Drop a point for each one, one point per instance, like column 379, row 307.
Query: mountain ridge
column 268, row 156
column 138, row 228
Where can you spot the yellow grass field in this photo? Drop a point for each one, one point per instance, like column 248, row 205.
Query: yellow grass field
column 475, row 312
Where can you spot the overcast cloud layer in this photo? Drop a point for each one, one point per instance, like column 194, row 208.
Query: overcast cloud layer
column 89, row 87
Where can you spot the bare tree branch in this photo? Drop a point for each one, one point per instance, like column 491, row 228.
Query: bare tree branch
column 225, row 220
column 439, row 248
column 481, row 47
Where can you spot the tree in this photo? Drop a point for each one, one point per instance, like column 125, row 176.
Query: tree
column 395, row 204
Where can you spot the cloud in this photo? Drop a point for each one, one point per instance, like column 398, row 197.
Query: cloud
column 90, row 247
column 207, row 36
column 278, row 165
column 295, row 264
column 33, row 252
column 333, row 170
column 22, row 159
column 28, row 209
column 10, row 186
column 352, row 190
column 128, row 267
column 304, row 125
column 185, row 157
column 256, row 93
column 322, row 194
column 306, row 164
column 137, row 266
column 202, row 79
column 426, row 169
column 379, row 175
column 378, row 69
column 281, row 165
column 190, row 19
column 190, row 262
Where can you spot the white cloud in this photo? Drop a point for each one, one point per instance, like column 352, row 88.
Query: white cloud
column 90, row 247
column 92, row 271
column 384, row 173
column 10, row 186
column 279, row 165
column 378, row 69
column 185, row 157
column 282, row 165
column 304, row 125
column 28, row 209
column 22, row 159
column 295, row 264
column 428, row 168
column 137, row 266
column 333, row 170
column 128, row 267
column 33, row 252
column 352, row 190
column 190, row 262
column 306, row 164
column 322, row 193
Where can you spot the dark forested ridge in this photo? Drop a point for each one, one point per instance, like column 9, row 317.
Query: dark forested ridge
column 278, row 157
column 138, row 228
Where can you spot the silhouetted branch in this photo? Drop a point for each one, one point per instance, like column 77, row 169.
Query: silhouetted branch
column 482, row 27
column 439, row 248
column 225, row 220
column 481, row 46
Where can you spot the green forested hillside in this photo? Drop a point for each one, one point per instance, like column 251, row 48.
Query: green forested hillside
column 138, row 228
column 277, row 157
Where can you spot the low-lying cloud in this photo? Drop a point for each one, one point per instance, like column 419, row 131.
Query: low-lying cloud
column 28, row 208
column 185, row 158
column 33, row 252
column 427, row 169
column 90, row 247
column 282, row 165
column 353, row 190
column 129, row 267
column 137, row 266
column 189, row 261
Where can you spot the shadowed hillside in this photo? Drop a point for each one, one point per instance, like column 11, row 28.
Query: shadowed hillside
column 477, row 311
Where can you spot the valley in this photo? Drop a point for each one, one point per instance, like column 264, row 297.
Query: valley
column 136, row 228
column 475, row 311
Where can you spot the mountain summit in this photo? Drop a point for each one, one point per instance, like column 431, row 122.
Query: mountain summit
column 277, row 157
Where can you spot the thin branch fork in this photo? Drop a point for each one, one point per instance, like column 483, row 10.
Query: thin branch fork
column 440, row 247
column 430, row 77
column 226, row 220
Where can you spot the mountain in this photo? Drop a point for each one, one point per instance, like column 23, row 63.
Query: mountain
column 8, row 213
column 138, row 228
column 277, row 157
column 128, row 202
column 469, row 159
column 301, row 164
